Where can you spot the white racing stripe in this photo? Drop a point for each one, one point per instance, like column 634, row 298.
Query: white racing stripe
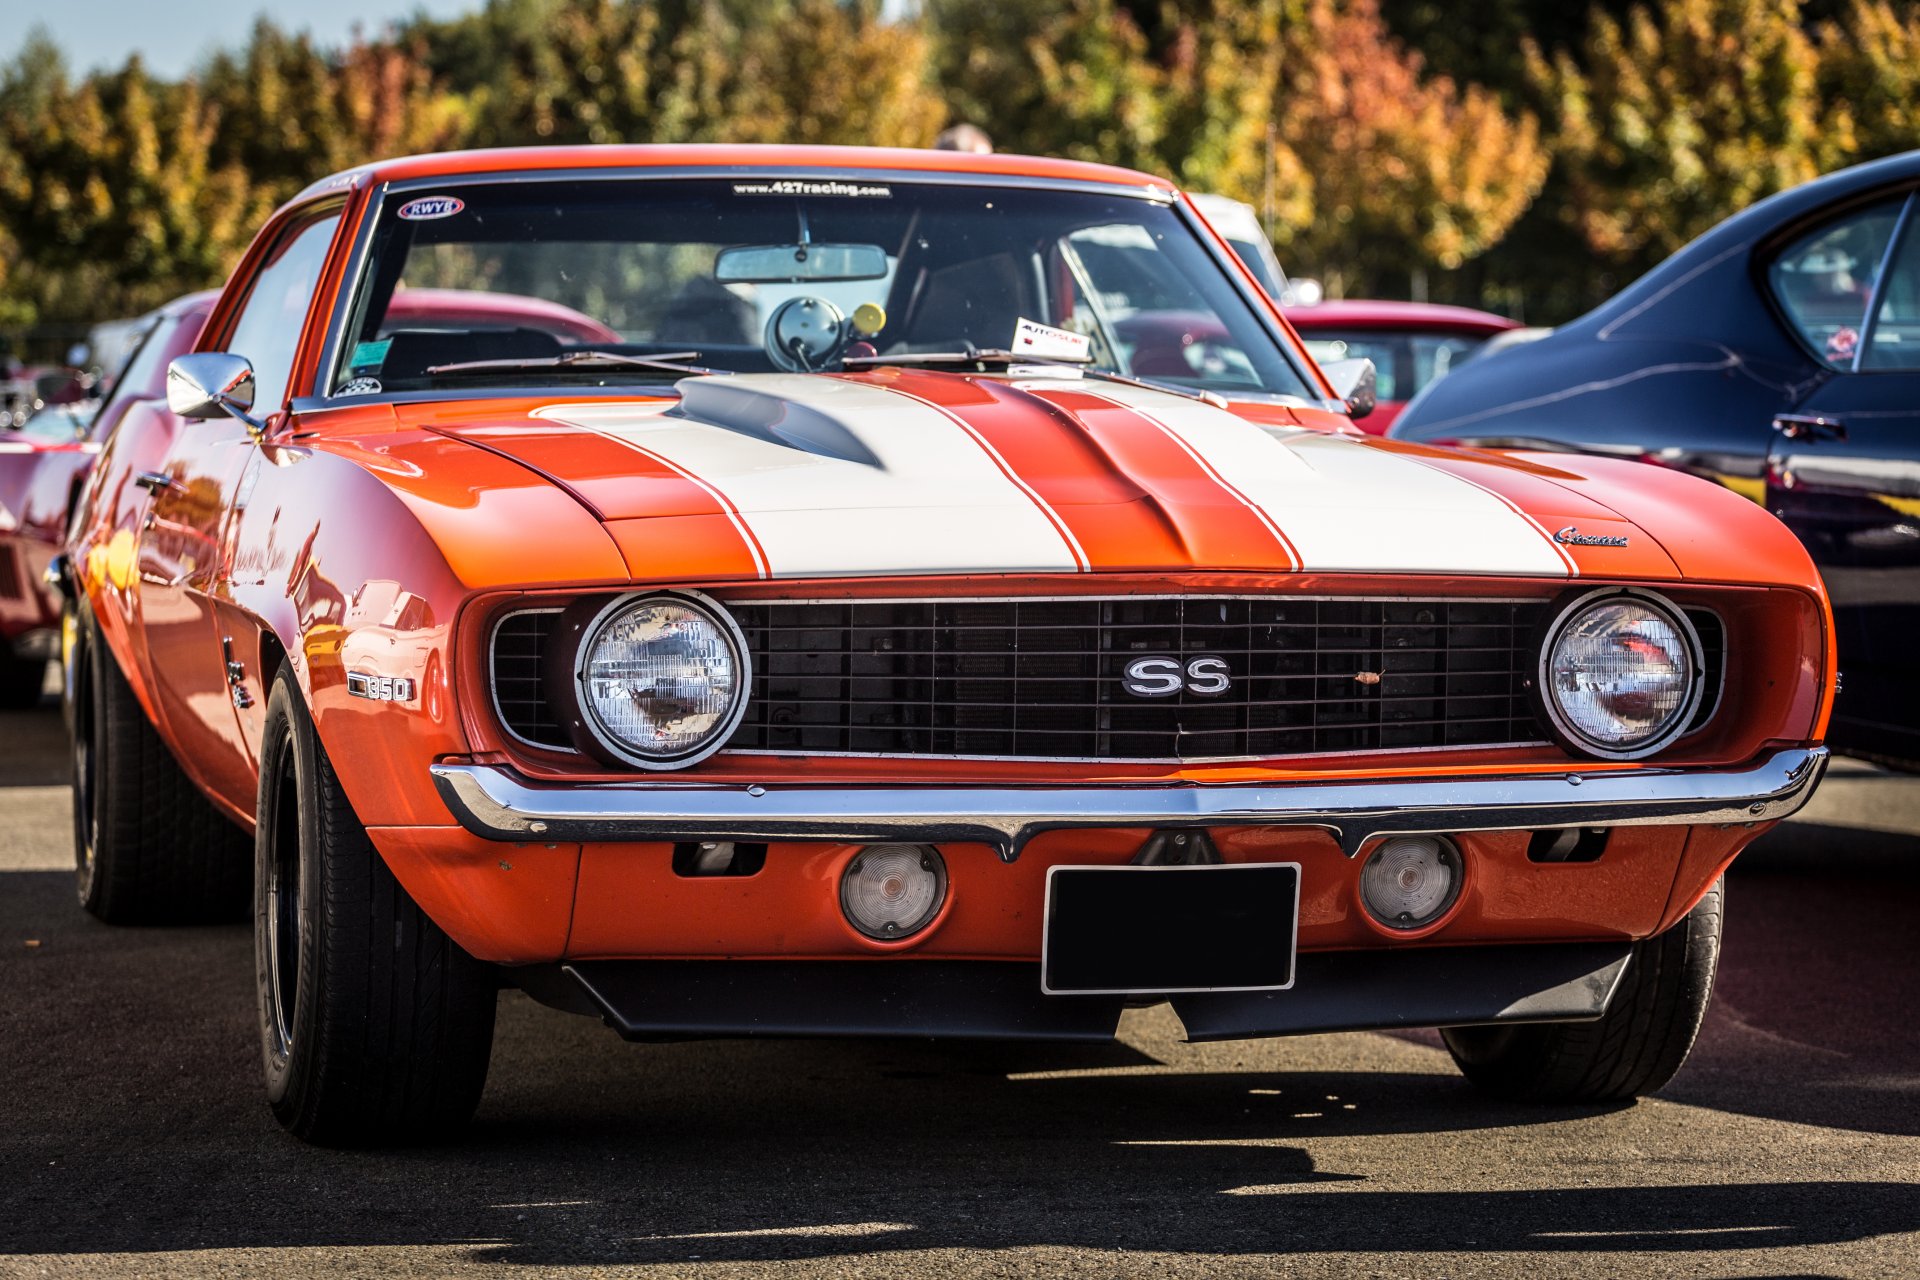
column 1346, row 506
column 861, row 481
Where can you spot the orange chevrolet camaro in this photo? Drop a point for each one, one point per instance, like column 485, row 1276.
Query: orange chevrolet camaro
column 738, row 591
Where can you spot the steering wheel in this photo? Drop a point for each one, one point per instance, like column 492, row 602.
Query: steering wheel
column 805, row 334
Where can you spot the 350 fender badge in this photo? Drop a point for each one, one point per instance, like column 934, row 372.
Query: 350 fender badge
column 1574, row 538
column 379, row 688
column 427, row 208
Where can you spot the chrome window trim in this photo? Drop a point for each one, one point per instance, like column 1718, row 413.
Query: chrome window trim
column 345, row 299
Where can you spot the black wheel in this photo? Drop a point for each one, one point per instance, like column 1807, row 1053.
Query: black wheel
column 21, row 680
column 1639, row 1044
column 148, row 847
column 375, row 1027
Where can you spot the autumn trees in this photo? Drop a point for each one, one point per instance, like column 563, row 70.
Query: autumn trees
column 1529, row 156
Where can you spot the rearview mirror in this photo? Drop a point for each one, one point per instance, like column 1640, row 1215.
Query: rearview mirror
column 1354, row 382
column 798, row 263
column 207, row 384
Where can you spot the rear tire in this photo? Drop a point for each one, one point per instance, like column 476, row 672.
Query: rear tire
column 1635, row 1049
column 375, row 1027
column 149, row 848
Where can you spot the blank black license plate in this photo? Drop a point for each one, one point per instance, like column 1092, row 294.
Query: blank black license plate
column 1144, row 930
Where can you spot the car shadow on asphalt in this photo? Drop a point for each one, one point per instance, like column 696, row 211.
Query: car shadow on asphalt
column 1812, row 1018
column 135, row 1124
column 133, row 1120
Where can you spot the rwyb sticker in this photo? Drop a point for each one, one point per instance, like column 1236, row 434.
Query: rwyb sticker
column 429, row 207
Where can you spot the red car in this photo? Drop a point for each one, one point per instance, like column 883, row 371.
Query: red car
column 886, row 622
column 1410, row 344
column 45, row 463
column 42, row 469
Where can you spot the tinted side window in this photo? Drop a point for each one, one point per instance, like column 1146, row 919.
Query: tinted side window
column 268, row 330
column 1893, row 341
column 1825, row 279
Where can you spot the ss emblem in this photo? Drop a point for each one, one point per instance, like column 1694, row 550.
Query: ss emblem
column 1160, row 677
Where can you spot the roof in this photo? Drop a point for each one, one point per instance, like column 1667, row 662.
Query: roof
column 1386, row 314
column 739, row 157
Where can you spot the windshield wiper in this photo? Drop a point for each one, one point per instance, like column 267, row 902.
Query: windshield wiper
column 667, row 361
column 998, row 356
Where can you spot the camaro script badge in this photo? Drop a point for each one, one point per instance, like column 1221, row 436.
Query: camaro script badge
column 1162, row 677
column 1574, row 538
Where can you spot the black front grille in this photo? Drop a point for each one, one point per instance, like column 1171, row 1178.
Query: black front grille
column 1043, row 678
column 1713, row 663
column 519, row 657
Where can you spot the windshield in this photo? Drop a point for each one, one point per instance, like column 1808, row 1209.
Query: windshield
column 575, row 283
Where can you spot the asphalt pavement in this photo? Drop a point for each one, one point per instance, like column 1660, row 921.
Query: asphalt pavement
column 134, row 1139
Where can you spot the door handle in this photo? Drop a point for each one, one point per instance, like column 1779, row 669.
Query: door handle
column 1809, row 426
column 158, row 482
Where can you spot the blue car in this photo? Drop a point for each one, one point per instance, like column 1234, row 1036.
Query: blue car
column 1778, row 354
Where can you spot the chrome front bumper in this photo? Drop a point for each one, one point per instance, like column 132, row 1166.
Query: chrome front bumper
column 500, row 804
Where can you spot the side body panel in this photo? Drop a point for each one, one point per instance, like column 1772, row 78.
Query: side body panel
column 1852, row 495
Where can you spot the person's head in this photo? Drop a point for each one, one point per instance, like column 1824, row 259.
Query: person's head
column 964, row 137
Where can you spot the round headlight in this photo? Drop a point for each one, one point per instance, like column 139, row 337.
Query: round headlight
column 1619, row 675
column 662, row 680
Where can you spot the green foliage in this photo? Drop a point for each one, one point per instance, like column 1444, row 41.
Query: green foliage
column 1182, row 88
column 1406, row 171
column 1869, row 78
column 111, row 193
column 804, row 71
column 1529, row 156
column 547, row 71
column 1669, row 121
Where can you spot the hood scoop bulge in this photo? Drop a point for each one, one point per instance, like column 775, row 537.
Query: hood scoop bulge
column 761, row 410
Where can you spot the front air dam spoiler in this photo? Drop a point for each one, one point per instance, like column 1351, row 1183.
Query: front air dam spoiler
column 1404, row 987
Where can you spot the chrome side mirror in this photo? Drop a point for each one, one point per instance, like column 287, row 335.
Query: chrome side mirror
column 1354, row 381
column 207, row 384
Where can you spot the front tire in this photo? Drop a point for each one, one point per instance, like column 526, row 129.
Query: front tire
column 1634, row 1049
column 375, row 1027
column 149, row 848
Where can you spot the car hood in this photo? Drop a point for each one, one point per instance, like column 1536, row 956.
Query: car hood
column 910, row 472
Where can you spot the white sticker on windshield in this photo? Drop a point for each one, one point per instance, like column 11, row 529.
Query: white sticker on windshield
column 1030, row 339
column 811, row 187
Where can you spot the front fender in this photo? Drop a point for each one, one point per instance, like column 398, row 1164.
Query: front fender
column 357, row 561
